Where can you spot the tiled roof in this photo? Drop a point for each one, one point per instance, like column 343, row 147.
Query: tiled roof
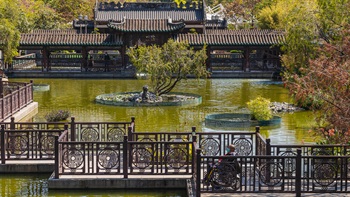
column 66, row 38
column 146, row 25
column 176, row 15
column 234, row 37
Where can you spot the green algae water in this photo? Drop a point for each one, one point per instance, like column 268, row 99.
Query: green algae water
column 218, row 96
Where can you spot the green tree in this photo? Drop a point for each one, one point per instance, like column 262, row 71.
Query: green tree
column 71, row 9
column 13, row 21
column 168, row 64
column 42, row 16
column 327, row 80
column 260, row 108
column 242, row 10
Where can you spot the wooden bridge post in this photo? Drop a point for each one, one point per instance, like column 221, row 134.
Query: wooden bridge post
column 12, row 124
column 298, row 174
column 18, row 98
column 198, row 172
column 133, row 123
column 130, row 135
column 194, row 146
column 2, row 144
column 257, row 131
column 269, row 161
column 31, row 91
column 2, row 110
column 1, row 87
column 72, row 129
column 125, row 157
column 56, row 158
column 194, row 137
column 268, row 146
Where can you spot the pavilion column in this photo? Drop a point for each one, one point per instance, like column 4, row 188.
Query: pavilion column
column 45, row 59
column 84, row 61
column 123, row 56
column 246, row 59
column 207, row 62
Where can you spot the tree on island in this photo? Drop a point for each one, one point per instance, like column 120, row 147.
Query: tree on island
column 168, row 64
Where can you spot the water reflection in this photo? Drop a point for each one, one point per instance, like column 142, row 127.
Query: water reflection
column 36, row 186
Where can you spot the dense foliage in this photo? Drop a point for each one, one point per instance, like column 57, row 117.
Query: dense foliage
column 57, row 115
column 22, row 16
column 168, row 64
column 327, row 80
column 260, row 108
column 316, row 58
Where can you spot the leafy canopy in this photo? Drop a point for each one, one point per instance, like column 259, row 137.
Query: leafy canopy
column 260, row 108
column 327, row 80
column 168, row 64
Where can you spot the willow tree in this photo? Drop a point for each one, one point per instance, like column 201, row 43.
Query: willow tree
column 167, row 65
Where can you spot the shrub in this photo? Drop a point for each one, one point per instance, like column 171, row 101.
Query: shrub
column 260, row 108
column 57, row 115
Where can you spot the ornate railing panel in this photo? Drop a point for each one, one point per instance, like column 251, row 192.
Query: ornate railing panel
column 160, row 157
column 102, row 131
column 322, row 174
column 29, row 144
column 90, row 158
column 214, row 143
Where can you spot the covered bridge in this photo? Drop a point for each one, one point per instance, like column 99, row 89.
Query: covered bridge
column 124, row 25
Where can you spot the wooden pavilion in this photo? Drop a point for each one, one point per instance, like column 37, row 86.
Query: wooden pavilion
column 124, row 25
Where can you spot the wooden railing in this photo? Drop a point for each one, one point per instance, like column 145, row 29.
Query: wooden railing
column 27, row 144
column 264, row 167
column 278, row 174
column 14, row 97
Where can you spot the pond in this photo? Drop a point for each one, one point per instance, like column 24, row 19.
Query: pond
column 218, row 96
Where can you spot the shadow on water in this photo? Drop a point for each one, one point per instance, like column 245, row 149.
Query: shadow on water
column 13, row 185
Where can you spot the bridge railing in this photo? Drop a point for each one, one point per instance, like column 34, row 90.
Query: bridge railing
column 27, row 144
column 279, row 174
column 14, row 97
column 80, row 131
column 123, row 158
